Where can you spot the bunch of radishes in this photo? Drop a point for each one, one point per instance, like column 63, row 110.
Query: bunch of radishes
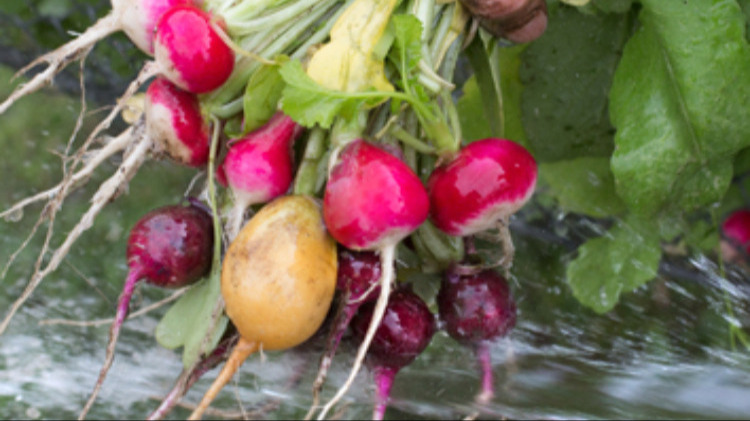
column 318, row 196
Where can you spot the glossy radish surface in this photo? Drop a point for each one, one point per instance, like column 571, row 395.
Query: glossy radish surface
column 405, row 331
column 259, row 166
column 487, row 181
column 475, row 308
column 190, row 52
column 175, row 122
column 169, row 247
column 372, row 198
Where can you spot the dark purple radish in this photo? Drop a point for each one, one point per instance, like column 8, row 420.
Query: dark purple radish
column 480, row 188
column 357, row 281
column 372, row 201
column 476, row 307
column 405, row 331
column 259, row 167
column 174, row 121
column 169, row 247
column 189, row 50
column 137, row 18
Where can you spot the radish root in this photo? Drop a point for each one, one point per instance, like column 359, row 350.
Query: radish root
column 58, row 59
column 107, row 191
column 386, row 279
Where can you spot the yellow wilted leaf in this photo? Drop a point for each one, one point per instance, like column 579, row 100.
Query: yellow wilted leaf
column 347, row 62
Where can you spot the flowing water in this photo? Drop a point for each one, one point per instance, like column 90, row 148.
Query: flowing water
column 666, row 351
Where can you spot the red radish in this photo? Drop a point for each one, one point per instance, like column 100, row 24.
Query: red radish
column 736, row 232
column 174, row 121
column 357, row 278
column 476, row 306
column 190, row 52
column 137, row 18
column 372, row 201
column 406, row 330
column 481, row 187
column 259, row 166
column 169, row 247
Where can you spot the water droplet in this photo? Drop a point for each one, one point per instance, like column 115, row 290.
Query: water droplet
column 33, row 413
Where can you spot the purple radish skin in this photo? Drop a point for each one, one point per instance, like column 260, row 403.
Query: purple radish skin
column 477, row 307
column 169, row 247
column 372, row 201
column 174, row 121
column 259, row 166
column 357, row 281
column 405, row 331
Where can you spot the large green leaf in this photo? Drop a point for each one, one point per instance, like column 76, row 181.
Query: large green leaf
column 567, row 74
column 680, row 104
column 621, row 260
column 583, row 185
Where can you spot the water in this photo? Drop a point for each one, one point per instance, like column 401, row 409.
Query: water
column 664, row 352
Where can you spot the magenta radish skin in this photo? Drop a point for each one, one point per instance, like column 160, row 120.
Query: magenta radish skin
column 139, row 18
column 736, row 229
column 175, row 122
column 476, row 308
column 404, row 332
column 372, row 198
column 259, row 166
column 487, row 181
column 190, row 52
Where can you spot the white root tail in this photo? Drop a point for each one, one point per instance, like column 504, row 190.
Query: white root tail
column 61, row 57
column 112, row 147
column 107, row 191
column 386, row 279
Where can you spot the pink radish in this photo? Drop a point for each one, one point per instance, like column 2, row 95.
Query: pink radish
column 735, row 230
column 372, row 201
column 259, row 166
column 406, row 330
column 169, row 247
column 357, row 279
column 476, row 306
column 189, row 50
column 481, row 187
column 174, row 121
column 137, row 18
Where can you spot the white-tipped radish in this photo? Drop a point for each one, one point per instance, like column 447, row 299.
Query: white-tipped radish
column 174, row 121
column 481, row 187
column 372, row 201
column 258, row 167
column 190, row 52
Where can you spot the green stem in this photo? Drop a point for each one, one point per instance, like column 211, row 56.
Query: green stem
column 410, row 140
column 216, row 265
column 307, row 175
